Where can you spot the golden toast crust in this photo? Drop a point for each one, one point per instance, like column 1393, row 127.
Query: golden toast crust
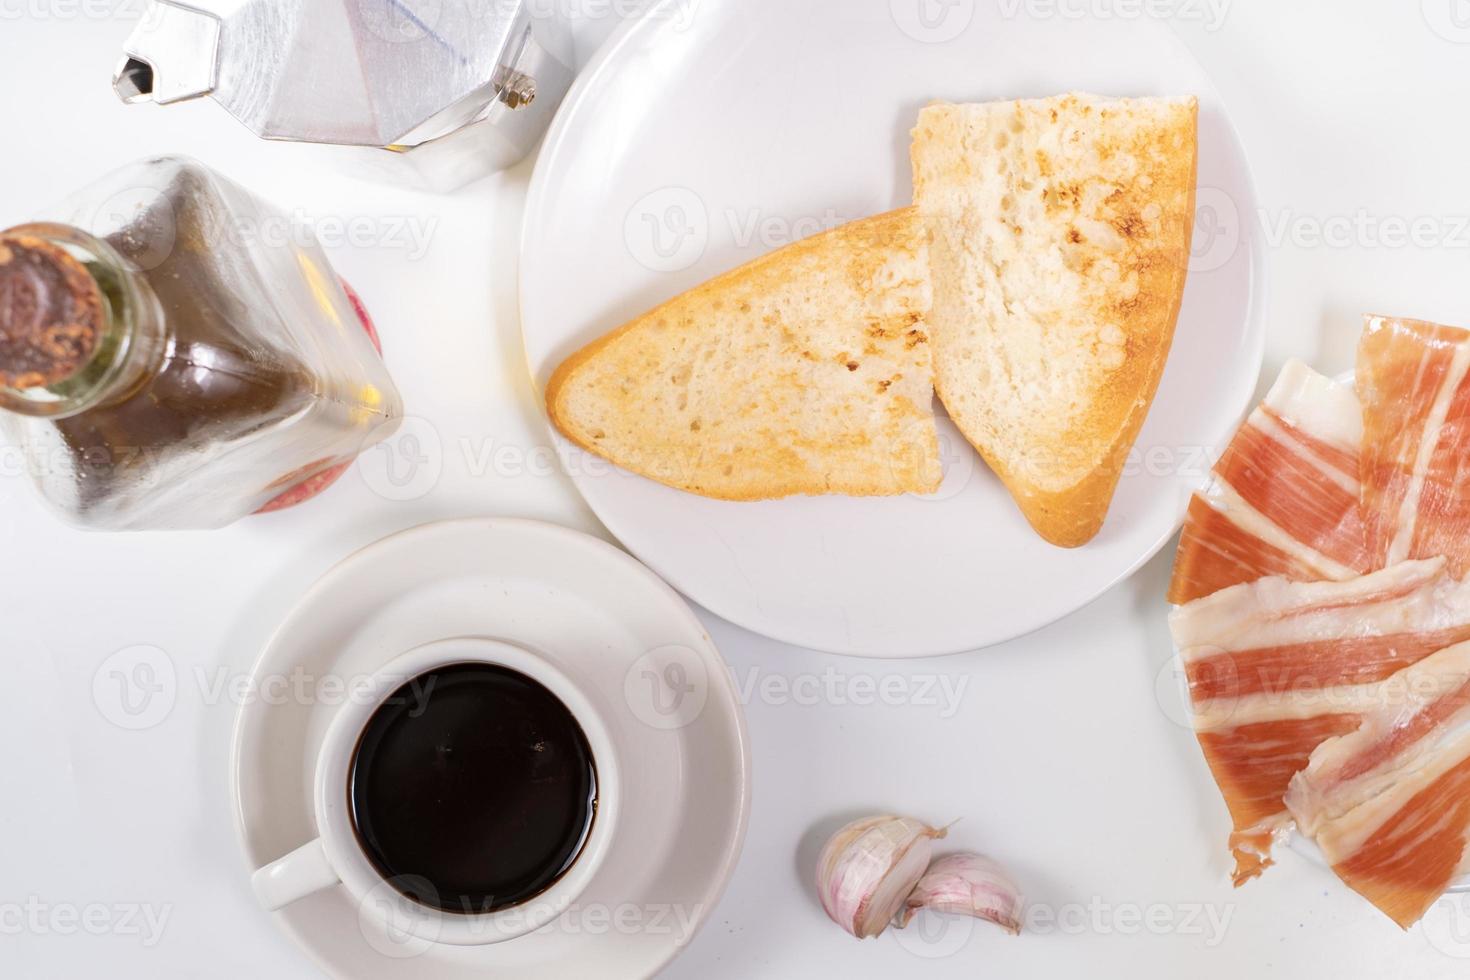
column 806, row 371
column 1094, row 259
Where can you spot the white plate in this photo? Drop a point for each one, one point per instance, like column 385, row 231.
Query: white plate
column 607, row 622
column 706, row 134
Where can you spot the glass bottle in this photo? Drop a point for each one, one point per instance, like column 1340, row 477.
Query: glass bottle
column 174, row 355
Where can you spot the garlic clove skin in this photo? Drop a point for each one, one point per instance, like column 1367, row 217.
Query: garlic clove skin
column 969, row 884
column 868, row 869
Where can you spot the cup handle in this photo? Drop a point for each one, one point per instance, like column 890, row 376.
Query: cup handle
column 305, row 871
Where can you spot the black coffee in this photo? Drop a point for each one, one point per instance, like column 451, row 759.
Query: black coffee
column 473, row 789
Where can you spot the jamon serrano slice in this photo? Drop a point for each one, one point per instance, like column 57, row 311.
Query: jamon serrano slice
column 1276, row 667
column 1284, row 500
column 1389, row 804
column 1414, row 381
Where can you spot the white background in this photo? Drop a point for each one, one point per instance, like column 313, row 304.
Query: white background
column 1065, row 757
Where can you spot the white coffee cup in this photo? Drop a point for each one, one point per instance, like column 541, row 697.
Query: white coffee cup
column 336, row 857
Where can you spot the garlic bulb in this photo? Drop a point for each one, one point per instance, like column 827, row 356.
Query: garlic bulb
column 969, row 884
column 869, row 867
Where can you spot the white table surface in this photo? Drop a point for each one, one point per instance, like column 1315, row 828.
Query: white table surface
column 1064, row 753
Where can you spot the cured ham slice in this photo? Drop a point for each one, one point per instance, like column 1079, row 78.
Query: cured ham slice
column 1389, row 804
column 1412, row 379
column 1284, row 498
column 1276, row 667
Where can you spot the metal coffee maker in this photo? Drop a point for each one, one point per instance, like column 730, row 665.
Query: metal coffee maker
column 442, row 91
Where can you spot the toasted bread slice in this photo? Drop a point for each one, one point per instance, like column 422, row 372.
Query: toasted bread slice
column 1060, row 244
column 805, row 372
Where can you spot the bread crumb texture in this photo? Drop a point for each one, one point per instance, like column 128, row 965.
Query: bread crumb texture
column 807, row 371
column 1060, row 246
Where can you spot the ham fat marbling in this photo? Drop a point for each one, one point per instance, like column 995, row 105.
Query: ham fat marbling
column 1284, row 498
column 1414, row 381
column 1324, row 618
column 1275, row 668
column 1389, row 803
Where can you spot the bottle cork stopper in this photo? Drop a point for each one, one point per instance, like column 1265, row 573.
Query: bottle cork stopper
column 51, row 313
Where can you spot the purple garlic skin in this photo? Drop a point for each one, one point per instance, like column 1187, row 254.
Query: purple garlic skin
column 868, row 869
column 969, row 884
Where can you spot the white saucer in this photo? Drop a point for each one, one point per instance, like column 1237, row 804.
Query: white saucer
column 609, row 624
column 705, row 135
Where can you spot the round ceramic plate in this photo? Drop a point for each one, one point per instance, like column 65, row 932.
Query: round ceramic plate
column 624, row 637
column 706, row 134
